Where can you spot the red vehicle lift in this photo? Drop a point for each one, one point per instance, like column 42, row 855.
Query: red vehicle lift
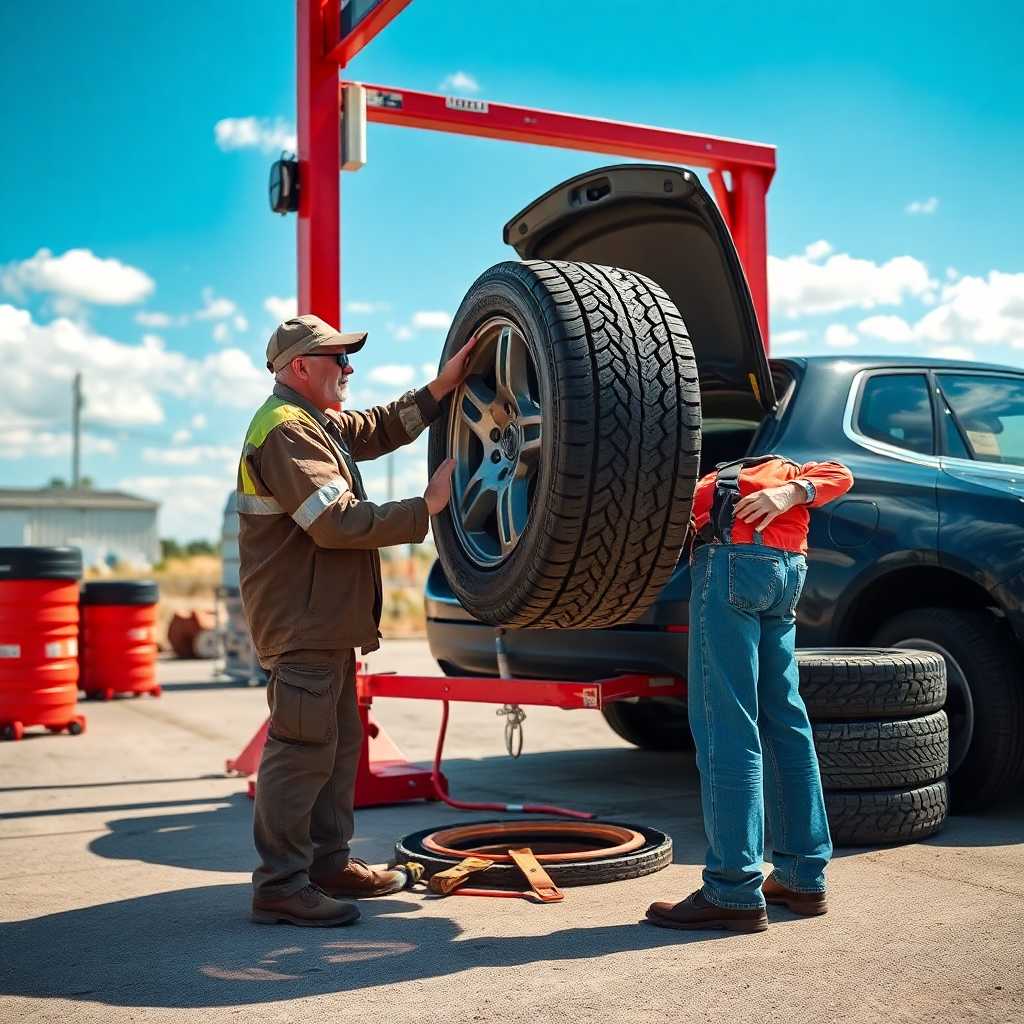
column 740, row 174
column 384, row 776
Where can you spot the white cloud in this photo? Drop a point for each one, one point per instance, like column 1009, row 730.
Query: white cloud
column 888, row 328
column 280, row 307
column 818, row 250
column 361, row 308
column 261, row 133
column 392, row 374
column 215, row 307
column 155, row 319
column 431, row 320
column 429, row 370
column 239, row 322
column 922, row 206
column 123, row 384
column 222, row 455
column 840, row 336
column 402, row 333
column 78, row 275
column 982, row 310
column 191, row 505
column 801, row 285
column 30, row 442
column 459, row 81
column 788, row 337
column 952, row 273
column 198, row 421
column 952, row 352
column 181, row 436
column 221, row 332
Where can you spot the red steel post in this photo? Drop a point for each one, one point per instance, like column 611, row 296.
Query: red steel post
column 377, row 18
column 750, row 232
column 319, row 139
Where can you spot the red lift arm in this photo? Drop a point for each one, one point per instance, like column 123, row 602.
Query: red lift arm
column 750, row 165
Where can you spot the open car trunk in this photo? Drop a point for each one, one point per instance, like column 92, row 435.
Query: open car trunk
column 660, row 221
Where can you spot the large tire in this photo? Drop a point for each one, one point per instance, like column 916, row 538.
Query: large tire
column 985, row 701
column 577, row 442
column 650, row 724
column 855, row 683
column 899, row 754
column 654, row 855
column 886, row 816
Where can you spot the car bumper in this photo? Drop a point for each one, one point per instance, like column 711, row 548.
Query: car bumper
column 576, row 654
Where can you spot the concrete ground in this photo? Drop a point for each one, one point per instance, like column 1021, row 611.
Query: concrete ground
column 125, row 856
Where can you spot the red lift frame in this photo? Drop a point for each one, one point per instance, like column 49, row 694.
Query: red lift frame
column 750, row 165
column 383, row 774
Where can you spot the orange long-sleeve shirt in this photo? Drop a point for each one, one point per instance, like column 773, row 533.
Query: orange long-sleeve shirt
column 788, row 531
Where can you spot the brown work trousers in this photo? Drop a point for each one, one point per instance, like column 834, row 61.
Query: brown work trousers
column 306, row 784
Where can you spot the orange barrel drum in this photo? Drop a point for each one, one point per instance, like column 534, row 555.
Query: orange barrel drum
column 39, row 639
column 119, row 638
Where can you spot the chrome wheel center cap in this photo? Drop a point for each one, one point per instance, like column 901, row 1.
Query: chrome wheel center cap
column 510, row 442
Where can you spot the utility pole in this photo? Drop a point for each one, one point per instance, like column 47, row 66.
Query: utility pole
column 76, row 430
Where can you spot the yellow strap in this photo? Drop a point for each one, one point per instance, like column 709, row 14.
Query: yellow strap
column 540, row 881
column 445, row 882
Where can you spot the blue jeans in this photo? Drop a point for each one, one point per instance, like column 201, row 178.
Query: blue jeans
column 744, row 703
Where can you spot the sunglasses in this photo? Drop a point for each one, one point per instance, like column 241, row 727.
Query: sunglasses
column 341, row 358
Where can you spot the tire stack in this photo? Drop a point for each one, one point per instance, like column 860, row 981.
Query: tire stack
column 882, row 740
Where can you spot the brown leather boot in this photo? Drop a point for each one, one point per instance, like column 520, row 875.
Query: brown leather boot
column 698, row 912
column 809, row 904
column 357, row 880
column 309, row 907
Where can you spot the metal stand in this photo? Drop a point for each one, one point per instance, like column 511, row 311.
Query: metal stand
column 385, row 777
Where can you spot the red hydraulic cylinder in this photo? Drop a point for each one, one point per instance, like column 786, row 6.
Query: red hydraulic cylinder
column 118, row 642
column 39, row 640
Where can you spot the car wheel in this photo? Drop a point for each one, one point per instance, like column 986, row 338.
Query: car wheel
column 576, row 438
column 985, row 702
column 650, row 725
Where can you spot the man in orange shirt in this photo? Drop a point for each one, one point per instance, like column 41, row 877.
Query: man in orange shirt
column 747, row 571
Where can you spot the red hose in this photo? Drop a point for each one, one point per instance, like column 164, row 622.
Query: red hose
column 442, row 794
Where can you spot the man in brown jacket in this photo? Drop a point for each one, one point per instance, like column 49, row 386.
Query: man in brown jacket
column 311, row 589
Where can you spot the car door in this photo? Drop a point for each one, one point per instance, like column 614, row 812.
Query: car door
column 890, row 518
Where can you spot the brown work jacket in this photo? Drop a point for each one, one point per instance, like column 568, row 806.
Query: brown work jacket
column 308, row 537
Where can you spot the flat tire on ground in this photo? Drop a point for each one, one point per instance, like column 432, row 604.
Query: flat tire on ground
column 900, row 753
column 864, row 818
column 655, row 854
column 845, row 683
column 576, row 437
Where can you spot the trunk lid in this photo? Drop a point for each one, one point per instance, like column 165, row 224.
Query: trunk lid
column 660, row 221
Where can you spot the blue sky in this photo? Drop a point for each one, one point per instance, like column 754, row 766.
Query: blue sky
column 137, row 245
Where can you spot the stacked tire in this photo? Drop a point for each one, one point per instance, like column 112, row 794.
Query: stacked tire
column 882, row 740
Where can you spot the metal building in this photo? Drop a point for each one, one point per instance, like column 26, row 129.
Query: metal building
column 108, row 526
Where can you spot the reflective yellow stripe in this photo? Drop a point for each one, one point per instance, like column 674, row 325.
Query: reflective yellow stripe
column 271, row 414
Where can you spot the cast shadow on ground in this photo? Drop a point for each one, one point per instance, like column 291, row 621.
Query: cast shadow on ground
column 196, row 948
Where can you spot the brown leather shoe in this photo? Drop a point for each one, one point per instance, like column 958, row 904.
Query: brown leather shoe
column 809, row 904
column 698, row 912
column 357, row 880
column 309, row 907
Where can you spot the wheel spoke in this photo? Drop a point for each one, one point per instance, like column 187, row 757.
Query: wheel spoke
column 510, row 367
column 475, row 406
column 513, row 512
column 479, row 498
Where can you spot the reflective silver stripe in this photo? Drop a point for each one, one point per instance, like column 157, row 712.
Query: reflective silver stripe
column 412, row 419
column 319, row 501
column 257, row 505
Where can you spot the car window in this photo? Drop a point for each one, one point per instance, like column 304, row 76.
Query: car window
column 989, row 409
column 896, row 408
column 955, row 445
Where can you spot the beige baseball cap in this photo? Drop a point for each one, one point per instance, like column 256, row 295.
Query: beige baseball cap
column 303, row 334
